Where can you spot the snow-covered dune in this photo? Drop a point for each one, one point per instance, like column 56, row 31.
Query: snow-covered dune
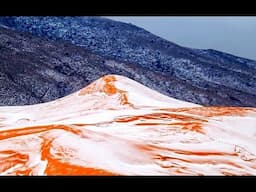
column 116, row 126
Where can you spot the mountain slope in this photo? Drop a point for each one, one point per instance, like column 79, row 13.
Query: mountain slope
column 35, row 70
column 206, row 77
column 116, row 126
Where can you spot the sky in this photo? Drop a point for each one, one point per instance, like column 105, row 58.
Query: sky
column 234, row 35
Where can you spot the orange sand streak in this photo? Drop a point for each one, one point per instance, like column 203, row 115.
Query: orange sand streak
column 56, row 167
column 32, row 130
column 13, row 158
column 108, row 88
column 158, row 116
column 213, row 111
column 178, row 151
column 190, row 126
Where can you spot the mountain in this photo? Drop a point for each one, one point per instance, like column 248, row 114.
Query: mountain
column 36, row 70
column 205, row 77
column 116, row 126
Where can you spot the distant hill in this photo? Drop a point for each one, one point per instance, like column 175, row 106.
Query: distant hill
column 103, row 46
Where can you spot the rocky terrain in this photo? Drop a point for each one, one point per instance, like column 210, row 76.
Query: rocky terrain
column 63, row 54
column 35, row 70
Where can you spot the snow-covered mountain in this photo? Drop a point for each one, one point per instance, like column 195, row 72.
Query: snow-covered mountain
column 206, row 77
column 117, row 126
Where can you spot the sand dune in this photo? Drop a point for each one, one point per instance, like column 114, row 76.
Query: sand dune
column 116, row 126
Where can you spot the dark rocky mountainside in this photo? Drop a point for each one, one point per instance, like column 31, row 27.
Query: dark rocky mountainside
column 64, row 54
column 35, row 70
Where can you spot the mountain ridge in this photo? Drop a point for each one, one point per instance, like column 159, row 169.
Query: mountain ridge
column 206, row 77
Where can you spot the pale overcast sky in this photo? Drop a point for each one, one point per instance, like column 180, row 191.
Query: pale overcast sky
column 235, row 35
